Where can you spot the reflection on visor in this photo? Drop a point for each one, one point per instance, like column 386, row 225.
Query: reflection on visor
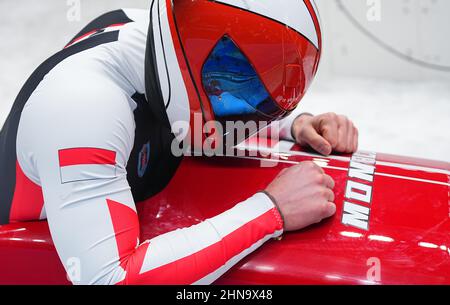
column 234, row 88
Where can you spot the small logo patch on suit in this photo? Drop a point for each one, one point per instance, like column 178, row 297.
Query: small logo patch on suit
column 86, row 163
column 143, row 159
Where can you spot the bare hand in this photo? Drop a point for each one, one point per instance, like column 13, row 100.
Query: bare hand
column 326, row 133
column 304, row 195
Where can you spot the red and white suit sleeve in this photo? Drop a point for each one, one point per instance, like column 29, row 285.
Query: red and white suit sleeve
column 77, row 149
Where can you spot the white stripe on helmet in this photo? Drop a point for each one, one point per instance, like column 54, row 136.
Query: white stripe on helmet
column 293, row 13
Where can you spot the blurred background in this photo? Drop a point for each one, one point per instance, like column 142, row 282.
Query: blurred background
column 386, row 63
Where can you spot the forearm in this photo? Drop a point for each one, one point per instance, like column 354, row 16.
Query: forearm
column 204, row 252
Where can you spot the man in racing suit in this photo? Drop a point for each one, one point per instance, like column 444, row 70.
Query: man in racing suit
column 82, row 144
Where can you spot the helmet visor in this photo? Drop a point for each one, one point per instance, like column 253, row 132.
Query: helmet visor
column 235, row 90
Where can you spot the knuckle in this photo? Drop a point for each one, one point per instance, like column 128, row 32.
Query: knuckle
column 320, row 179
column 323, row 209
column 342, row 149
column 331, row 115
column 309, row 164
column 333, row 142
column 340, row 146
column 288, row 171
column 316, row 168
column 299, row 168
column 332, row 182
column 321, row 192
column 331, row 195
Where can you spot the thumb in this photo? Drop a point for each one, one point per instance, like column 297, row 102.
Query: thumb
column 317, row 142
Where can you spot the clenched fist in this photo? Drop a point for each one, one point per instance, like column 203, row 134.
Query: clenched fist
column 304, row 195
column 326, row 133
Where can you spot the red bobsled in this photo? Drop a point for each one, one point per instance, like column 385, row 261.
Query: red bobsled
column 392, row 224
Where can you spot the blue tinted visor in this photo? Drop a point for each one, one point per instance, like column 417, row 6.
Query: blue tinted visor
column 234, row 88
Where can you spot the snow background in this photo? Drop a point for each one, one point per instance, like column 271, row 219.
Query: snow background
column 398, row 107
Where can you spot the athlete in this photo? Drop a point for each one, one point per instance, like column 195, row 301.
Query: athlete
column 91, row 133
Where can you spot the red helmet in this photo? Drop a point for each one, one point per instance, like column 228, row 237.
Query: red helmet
column 239, row 60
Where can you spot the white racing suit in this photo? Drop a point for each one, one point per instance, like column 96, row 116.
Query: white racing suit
column 80, row 148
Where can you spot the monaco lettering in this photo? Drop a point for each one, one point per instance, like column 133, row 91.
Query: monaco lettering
column 356, row 215
column 358, row 192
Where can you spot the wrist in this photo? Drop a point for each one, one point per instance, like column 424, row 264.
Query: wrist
column 279, row 215
column 298, row 122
